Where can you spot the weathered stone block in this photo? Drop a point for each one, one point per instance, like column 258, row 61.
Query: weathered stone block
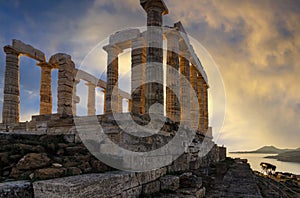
column 22, row 189
column 169, row 182
column 33, row 161
column 151, row 187
column 89, row 185
column 48, row 173
column 28, row 50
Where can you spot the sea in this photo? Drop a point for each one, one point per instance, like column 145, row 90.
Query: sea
column 254, row 159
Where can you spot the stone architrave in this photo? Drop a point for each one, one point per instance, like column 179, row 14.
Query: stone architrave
column 194, row 101
column 138, row 75
column 65, row 82
column 184, row 88
column 154, row 70
column 112, row 78
column 172, row 86
column 28, row 50
column 91, row 98
column 11, row 102
column 45, row 88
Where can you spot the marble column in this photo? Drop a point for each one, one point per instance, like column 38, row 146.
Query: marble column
column 154, row 70
column 172, row 86
column 76, row 99
column 11, row 102
column 138, row 75
column 120, row 104
column 201, row 83
column 205, row 96
column 45, row 89
column 194, row 101
column 129, row 105
column 66, row 80
column 184, row 65
column 104, row 100
column 112, row 78
column 91, row 98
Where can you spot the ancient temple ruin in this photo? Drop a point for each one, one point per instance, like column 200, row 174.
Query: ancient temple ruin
column 146, row 53
column 55, row 138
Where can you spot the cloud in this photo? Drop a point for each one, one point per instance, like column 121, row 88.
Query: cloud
column 255, row 46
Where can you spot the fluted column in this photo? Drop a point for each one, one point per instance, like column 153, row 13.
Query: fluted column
column 91, row 98
column 194, row 101
column 112, row 78
column 138, row 75
column 104, row 100
column 205, row 95
column 129, row 105
column 45, row 89
column 185, row 88
column 76, row 99
column 201, row 83
column 154, row 70
column 11, row 102
column 120, row 104
column 172, row 86
column 65, row 85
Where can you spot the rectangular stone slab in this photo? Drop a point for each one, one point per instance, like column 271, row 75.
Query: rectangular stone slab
column 89, row 185
column 28, row 50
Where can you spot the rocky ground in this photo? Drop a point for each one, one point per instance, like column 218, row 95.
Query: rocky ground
column 272, row 188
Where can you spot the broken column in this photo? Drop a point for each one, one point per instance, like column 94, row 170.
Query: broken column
column 11, row 102
column 194, row 101
column 91, row 98
column 65, row 82
column 172, row 86
column 138, row 75
column 112, row 78
column 154, row 70
column 184, row 87
column 45, row 89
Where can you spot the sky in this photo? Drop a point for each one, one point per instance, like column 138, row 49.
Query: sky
column 254, row 44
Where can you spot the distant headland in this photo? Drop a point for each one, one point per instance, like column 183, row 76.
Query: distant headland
column 286, row 155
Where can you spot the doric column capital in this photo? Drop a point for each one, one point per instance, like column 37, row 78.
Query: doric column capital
column 113, row 50
column 10, row 50
column 45, row 65
column 139, row 42
column 76, row 81
column 90, row 85
column 157, row 5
